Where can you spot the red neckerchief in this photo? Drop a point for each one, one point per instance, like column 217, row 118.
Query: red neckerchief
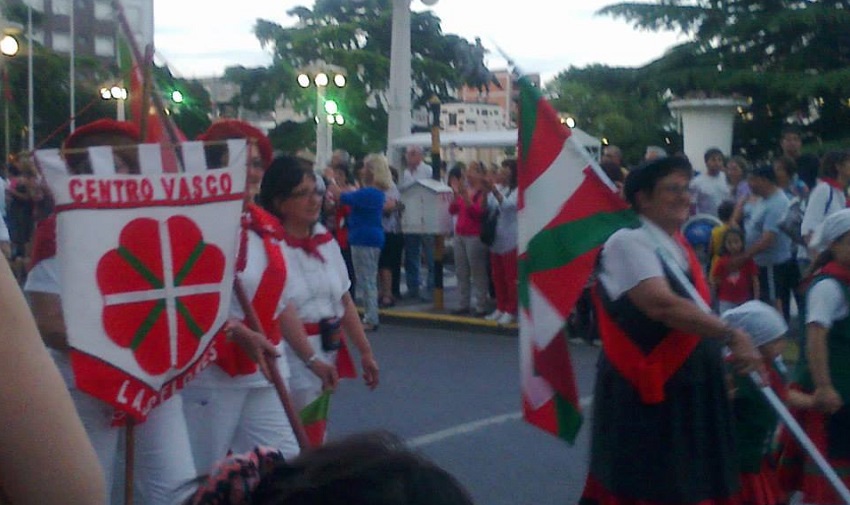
column 835, row 184
column 309, row 245
column 648, row 373
column 44, row 240
column 231, row 358
column 836, row 270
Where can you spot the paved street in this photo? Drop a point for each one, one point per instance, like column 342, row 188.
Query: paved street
column 455, row 395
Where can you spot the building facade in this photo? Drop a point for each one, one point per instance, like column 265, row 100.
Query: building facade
column 95, row 25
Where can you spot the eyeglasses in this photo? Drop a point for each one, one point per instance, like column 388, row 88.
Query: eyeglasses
column 675, row 189
column 307, row 192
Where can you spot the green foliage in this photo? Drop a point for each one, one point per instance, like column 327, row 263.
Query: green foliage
column 789, row 57
column 613, row 103
column 356, row 36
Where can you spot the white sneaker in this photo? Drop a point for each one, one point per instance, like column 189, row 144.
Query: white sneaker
column 494, row 316
column 506, row 319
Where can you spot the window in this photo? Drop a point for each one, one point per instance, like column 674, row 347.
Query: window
column 62, row 7
column 102, row 10
column 453, row 119
column 104, row 46
column 62, row 42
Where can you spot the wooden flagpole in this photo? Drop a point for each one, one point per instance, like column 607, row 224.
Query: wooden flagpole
column 277, row 380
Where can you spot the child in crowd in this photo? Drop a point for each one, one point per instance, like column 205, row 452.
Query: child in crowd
column 734, row 286
column 724, row 213
column 755, row 419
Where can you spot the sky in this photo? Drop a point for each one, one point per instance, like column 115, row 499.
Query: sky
column 199, row 39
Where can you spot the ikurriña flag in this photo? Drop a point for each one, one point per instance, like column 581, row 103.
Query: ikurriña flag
column 146, row 264
column 567, row 209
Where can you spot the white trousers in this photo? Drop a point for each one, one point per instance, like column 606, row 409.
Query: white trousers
column 235, row 419
column 163, row 466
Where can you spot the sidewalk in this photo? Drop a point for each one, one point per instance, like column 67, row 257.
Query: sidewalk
column 424, row 314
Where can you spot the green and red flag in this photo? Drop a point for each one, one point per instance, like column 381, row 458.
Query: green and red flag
column 567, row 209
column 315, row 418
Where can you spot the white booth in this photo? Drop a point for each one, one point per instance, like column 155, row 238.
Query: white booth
column 426, row 208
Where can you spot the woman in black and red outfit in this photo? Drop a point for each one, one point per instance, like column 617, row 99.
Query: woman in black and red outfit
column 662, row 420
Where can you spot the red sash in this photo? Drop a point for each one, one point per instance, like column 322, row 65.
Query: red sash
column 309, row 245
column 44, row 240
column 231, row 358
column 648, row 373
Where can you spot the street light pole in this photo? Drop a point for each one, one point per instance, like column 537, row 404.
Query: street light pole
column 8, row 48
column 317, row 74
column 401, row 84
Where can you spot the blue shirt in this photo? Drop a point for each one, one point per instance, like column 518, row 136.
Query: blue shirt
column 766, row 216
column 364, row 222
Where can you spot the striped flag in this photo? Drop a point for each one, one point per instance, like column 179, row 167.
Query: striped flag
column 315, row 418
column 567, row 209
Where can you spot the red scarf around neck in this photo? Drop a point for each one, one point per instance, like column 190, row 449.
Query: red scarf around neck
column 231, row 358
column 309, row 245
column 648, row 373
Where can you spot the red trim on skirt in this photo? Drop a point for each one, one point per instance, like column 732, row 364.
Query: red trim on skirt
column 595, row 494
column 798, row 472
column 761, row 488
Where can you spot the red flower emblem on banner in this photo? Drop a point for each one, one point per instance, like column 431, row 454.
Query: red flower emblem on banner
column 161, row 289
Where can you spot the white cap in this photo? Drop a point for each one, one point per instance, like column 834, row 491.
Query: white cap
column 832, row 228
column 763, row 322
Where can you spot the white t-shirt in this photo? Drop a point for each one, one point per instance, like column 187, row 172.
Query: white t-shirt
column 408, row 176
column 826, row 303
column 506, row 226
column 709, row 192
column 823, row 201
column 630, row 256
column 255, row 264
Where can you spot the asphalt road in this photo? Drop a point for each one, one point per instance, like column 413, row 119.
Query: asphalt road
column 454, row 395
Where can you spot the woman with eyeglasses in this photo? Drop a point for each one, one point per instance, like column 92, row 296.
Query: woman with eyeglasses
column 232, row 405
column 662, row 419
column 319, row 280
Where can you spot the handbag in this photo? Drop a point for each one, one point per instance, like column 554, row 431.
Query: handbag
column 488, row 227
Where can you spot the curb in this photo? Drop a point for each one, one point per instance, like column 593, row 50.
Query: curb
column 446, row 322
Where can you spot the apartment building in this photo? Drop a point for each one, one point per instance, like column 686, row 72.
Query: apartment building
column 95, row 25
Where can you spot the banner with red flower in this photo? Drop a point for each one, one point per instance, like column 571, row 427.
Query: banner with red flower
column 146, row 269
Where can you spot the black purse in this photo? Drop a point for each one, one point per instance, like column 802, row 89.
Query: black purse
column 488, row 227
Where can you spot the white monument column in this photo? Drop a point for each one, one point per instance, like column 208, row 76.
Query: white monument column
column 706, row 123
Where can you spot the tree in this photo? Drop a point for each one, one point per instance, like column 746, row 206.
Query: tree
column 790, row 57
column 615, row 104
column 356, row 37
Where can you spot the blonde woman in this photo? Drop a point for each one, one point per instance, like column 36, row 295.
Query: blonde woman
column 365, row 231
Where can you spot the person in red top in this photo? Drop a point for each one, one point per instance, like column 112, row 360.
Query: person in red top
column 734, row 286
column 470, row 254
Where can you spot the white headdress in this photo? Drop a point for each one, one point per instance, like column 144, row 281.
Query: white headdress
column 763, row 322
column 832, row 228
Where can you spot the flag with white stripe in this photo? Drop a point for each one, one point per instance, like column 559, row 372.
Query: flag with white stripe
column 567, row 209
column 146, row 264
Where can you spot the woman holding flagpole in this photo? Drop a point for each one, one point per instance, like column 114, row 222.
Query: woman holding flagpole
column 662, row 420
column 319, row 280
column 163, row 457
column 233, row 406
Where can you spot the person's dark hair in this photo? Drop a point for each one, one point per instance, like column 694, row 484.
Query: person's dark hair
column 713, row 151
column 830, row 162
column 725, row 210
column 647, row 174
column 283, row 175
column 372, row 468
column 510, row 164
column 790, row 130
column 765, row 172
column 787, row 163
column 612, row 170
column 731, row 231
column 455, row 173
